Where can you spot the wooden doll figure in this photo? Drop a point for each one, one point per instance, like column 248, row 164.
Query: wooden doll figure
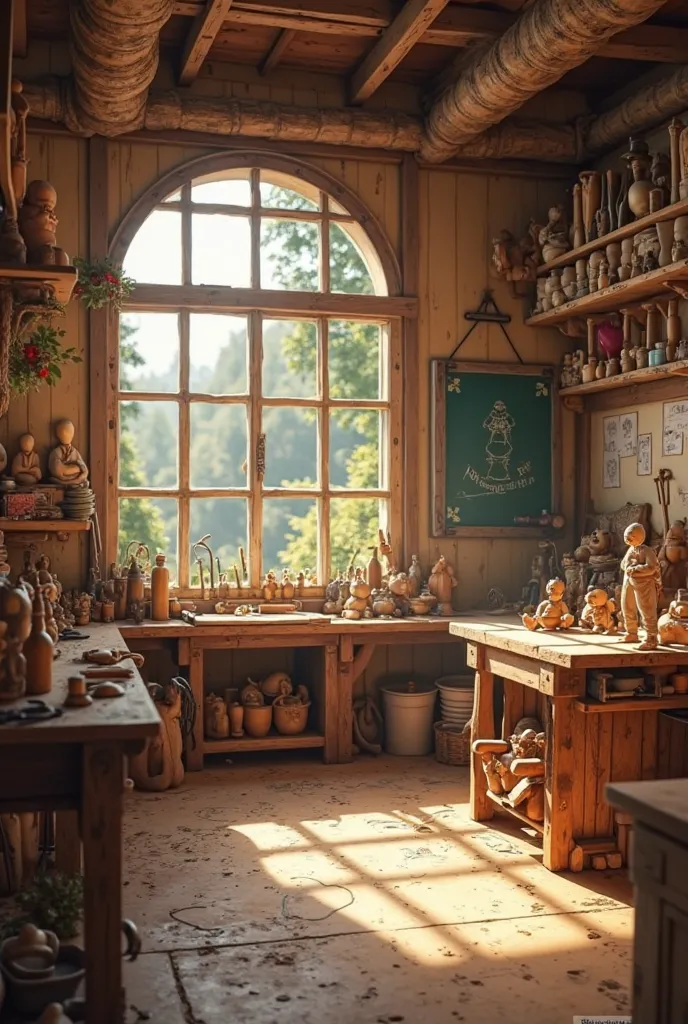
column 642, row 586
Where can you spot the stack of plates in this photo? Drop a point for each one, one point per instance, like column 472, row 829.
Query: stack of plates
column 78, row 503
column 456, row 698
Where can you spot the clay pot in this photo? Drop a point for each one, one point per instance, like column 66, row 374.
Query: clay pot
column 276, row 683
column 236, row 719
column 257, row 720
column 290, row 719
column 680, row 682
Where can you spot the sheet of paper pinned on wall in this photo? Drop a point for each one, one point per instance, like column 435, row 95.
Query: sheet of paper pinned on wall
column 674, row 426
column 611, row 425
column 611, row 473
column 628, row 434
column 644, row 467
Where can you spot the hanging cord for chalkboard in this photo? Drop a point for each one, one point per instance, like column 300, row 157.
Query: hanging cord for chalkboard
column 488, row 312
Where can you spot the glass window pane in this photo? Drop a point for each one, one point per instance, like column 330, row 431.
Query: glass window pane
column 354, row 523
column 336, row 207
column 291, row 447
column 149, row 352
column 173, row 197
column 290, row 354
column 355, row 448
column 278, row 198
column 290, row 534
column 226, row 520
column 231, row 192
column 354, row 360
column 148, row 444
column 218, row 354
column 153, row 522
column 289, row 255
column 155, row 254
column 220, row 250
column 348, row 270
column 218, row 451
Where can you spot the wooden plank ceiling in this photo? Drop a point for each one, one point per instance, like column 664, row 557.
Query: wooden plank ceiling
column 369, row 42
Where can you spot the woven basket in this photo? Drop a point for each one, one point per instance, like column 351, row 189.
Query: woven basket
column 452, row 746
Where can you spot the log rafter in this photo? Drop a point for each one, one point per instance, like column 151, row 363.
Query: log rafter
column 203, row 34
column 404, row 32
column 455, row 26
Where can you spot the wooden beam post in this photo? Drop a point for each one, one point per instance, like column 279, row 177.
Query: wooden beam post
column 98, row 350
column 404, row 32
column 274, row 55
column 410, row 251
column 203, row 33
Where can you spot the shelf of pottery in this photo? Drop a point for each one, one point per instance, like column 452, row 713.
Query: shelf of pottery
column 613, row 279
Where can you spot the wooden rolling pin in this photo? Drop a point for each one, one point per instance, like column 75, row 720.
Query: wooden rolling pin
column 275, row 608
column 111, row 672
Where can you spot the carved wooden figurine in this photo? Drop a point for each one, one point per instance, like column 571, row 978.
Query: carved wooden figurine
column 441, row 583
column 673, row 561
column 26, row 468
column 270, row 586
column 673, row 625
column 598, row 613
column 551, row 613
column 159, row 766
column 554, row 237
column 15, row 626
column 215, row 718
column 515, row 767
column 38, row 224
column 513, row 260
column 641, row 588
column 65, row 463
column 357, row 604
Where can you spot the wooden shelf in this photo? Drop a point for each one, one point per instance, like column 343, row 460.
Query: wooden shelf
column 62, row 279
column 627, row 380
column 273, row 741
column 567, row 259
column 589, row 705
column 45, row 525
column 502, row 802
column 617, row 296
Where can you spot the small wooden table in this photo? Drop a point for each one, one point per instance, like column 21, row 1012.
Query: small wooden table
column 589, row 743
column 74, row 765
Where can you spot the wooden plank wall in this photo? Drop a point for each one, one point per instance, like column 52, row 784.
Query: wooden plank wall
column 459, row 215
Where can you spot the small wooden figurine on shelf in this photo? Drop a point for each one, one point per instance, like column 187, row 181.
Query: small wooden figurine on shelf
column 357, row 604
column 415, row 575
column 215, row 718
column 270, row 586
column 673, row 625
column 399, row 587
column 26, row 468
column 441, row 583
column 38, row 224
column 598, row 613
column 552, row 613
column 333, row 601
column 514, row 260
column 554, row 237
column 65, row 463
column 641, row 588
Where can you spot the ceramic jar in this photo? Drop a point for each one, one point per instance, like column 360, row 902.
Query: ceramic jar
column 568, row 282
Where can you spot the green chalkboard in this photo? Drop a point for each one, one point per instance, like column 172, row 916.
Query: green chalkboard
column 493, row 435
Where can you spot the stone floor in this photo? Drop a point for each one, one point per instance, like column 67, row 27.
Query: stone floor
column 286, row 891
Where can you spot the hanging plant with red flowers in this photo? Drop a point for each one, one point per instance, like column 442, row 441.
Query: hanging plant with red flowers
column 38, row 359
column 102, row 283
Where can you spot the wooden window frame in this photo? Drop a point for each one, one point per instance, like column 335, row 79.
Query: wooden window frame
column 391, row 311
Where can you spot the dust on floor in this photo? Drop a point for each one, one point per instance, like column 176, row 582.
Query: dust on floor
column 290, row 892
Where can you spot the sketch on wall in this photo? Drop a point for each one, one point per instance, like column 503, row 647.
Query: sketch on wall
column 644, row 466
column 628, row 434
column 674, row 426
column 611, row 470
column 611, row 434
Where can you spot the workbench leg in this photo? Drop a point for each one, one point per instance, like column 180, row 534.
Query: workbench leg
column 194, row 743
column 101, row 817
column 557, row 840
column 345, row 700
column 67, row 842
column 482, row 807
column 335, row 712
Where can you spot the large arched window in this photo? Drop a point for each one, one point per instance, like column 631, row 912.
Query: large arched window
column 259, row 374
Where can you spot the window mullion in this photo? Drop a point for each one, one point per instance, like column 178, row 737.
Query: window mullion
column 255, row 228
column 325, row 243
column 255, row 510
column 324, row 452
column 184, row 510
column 186, row 234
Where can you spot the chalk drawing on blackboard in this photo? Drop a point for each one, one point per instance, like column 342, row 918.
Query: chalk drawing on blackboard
column 499, row 425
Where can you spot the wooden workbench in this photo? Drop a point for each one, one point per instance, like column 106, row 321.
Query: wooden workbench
column 75, row 765
column 333, row 652
column 589, row 743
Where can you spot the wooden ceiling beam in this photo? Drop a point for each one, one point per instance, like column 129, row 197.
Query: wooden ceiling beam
column 203, row 33
column 455, row 26
column 284, row 37
column 407, row 28
column 19, row 37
